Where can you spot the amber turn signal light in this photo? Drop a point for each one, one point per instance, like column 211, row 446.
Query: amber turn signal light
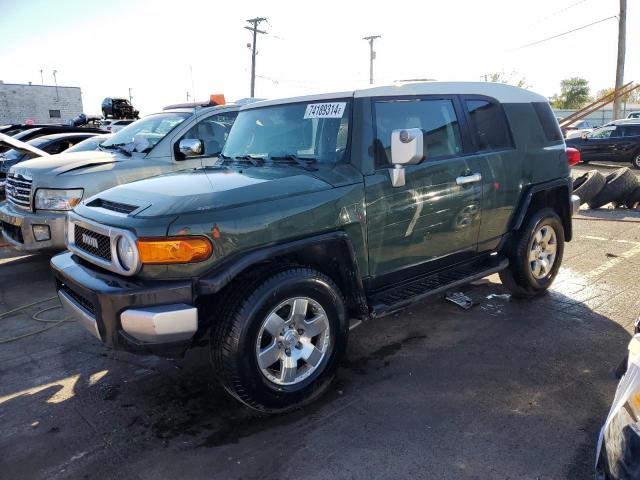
column 174, row 250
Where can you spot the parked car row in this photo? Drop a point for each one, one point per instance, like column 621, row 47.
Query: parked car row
column 618, row 141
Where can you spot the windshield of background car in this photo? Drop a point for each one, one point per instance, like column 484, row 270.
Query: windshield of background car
column 144, row 134
column 315, row 130
column 87, row 145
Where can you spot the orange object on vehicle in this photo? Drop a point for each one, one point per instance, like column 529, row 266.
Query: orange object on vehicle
column 217, row 99
column 174, row 250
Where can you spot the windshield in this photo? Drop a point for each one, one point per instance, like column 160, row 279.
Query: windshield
column 147, row 132
column 311, row 130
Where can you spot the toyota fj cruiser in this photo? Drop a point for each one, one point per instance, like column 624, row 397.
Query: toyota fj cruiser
column 322, row 210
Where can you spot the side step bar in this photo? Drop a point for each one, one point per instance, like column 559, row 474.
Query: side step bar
column 385, row 302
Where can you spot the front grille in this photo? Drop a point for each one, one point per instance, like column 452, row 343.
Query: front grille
column 93, row 243
column 113, row 206
column 18, row 191
column 79, row 299
column 13, row 232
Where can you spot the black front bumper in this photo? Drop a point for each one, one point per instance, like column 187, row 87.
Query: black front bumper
column 104, row 296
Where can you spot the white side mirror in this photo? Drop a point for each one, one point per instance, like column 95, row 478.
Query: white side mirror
column 407, row 148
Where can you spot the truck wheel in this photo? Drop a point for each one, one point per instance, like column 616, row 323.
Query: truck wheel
column 535, row 255
column 636, row 160
column 278, row 342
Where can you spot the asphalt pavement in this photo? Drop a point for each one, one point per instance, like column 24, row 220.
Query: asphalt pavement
column 507, row 390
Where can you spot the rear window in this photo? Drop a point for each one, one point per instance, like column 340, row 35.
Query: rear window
column 489, row 125
column 548, row 121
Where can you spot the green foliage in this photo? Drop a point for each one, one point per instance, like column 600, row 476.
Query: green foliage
column 574, row 93
column 633, row 97
column 501, row 77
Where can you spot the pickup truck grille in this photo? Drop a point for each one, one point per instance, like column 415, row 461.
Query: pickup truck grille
column 18, row 191
column 93, row 243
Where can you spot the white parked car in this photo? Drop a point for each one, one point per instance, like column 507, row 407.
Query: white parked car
column 117, row 125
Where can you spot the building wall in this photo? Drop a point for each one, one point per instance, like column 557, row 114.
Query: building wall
column 19, row 102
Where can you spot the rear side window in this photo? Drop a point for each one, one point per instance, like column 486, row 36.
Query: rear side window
column 436, row 118
column 488, row 125
column 548, row 121
column 631, row 131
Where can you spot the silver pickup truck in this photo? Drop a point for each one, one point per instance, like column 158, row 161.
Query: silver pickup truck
column 41, row 191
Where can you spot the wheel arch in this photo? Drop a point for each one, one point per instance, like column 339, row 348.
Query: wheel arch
column 330, row 253
column 556, row 195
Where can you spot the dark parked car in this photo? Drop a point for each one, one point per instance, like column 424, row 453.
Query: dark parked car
column 51, row 144
column 618, row 141
column 118, row 108
column 34, row 132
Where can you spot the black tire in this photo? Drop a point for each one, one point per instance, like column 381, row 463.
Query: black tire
column 519, row 278
column 633, row 199
column 236, row 333
column 588, row 185
column 635, row 161
column 619, row 184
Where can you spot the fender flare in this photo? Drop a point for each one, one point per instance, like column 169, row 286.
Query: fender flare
column 336, row 241
column 563, row 210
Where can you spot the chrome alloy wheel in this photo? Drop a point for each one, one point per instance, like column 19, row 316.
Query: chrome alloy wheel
column 292, row 341
column 543, row 251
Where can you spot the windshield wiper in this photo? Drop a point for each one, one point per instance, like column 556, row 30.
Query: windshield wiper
column 250, row 158
column 117, row 146
column 301, row 162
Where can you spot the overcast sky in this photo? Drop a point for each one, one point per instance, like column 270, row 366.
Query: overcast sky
column 106, row 47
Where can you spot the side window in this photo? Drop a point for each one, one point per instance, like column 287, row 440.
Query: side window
column 436, row 118
column 488, row 125
column 631, row 131
column 603, row 132
column 55, row 147
column 212, row 131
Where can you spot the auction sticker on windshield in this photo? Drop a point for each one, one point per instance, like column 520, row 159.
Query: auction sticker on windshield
column 325, row 110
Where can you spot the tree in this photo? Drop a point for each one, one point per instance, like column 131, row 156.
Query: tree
column 501, row 77
column 574, row 93
column 633, row 97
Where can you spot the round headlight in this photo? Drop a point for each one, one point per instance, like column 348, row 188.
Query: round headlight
column 126, row 253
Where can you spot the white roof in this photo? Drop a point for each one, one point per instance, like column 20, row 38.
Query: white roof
column 500, row 91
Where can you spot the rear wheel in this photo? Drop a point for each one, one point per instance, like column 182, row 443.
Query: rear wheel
column 636, row 160
column 535, row 255
column 278, row 343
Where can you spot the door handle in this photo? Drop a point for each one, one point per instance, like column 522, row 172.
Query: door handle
column 476, row 177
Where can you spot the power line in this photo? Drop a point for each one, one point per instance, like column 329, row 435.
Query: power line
column 564, row 33
column 558, row 12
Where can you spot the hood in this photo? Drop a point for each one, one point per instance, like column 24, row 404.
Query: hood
column 66, row 162
column 207, row 189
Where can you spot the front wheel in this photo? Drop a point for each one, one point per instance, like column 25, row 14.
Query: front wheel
column 279, row 341
column 535, row 255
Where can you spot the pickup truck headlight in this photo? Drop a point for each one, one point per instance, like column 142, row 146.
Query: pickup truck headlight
column 54, row 199
column 126, row 249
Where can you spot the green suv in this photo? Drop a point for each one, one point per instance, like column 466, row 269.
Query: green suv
column 322, row 211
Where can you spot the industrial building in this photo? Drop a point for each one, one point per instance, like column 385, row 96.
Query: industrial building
column 39, row 103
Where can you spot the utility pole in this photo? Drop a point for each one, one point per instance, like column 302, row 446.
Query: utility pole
column 254, row 29
column 622, row 36
column 130, row 97
column 187, row 96
column 372, row 55
column 41, row 77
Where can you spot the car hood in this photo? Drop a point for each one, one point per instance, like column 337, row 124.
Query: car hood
column 208, row 189
column 66, row 162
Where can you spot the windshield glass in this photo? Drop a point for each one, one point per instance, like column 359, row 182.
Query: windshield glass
column 310, row 130
column 144, row 134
